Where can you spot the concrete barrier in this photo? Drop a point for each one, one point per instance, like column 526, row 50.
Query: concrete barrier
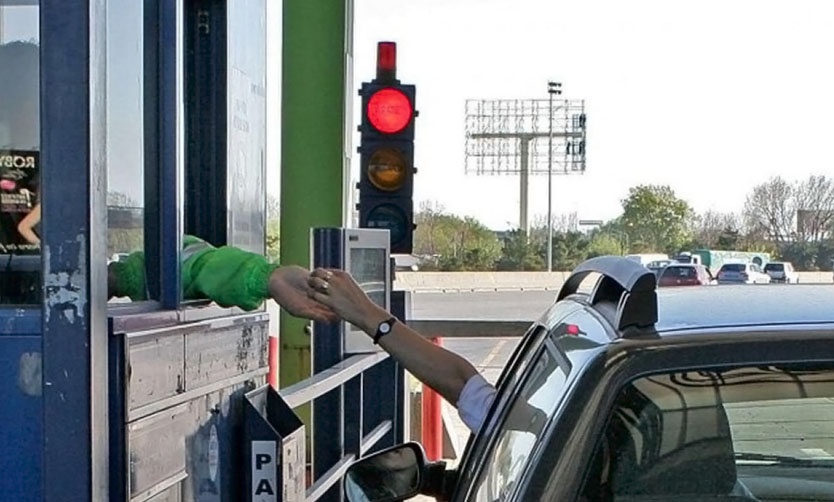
column 514, row 281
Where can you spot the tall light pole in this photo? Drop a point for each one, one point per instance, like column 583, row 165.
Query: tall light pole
column 552, row 88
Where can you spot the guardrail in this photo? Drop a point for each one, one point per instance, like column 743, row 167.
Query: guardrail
column 417, row 282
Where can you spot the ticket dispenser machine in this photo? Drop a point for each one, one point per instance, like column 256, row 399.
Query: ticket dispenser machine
column 369, row 411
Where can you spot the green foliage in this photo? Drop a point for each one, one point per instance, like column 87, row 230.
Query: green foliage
column 273, row 239
column 454, row 243
column 569, row 250
column 656, row 219
column 519, row 254
column 603, row 244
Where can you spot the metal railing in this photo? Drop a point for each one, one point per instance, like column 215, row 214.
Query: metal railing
column 365, row 426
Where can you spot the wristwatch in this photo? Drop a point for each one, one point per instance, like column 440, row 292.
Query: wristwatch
column 384, row 328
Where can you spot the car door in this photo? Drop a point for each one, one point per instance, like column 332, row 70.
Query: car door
column 506, row 448
column 512, row 443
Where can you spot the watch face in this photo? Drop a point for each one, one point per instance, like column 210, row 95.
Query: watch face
column 384, row 327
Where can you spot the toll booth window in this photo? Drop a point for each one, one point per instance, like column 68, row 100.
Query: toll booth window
column 20, row 264
column 125, row 150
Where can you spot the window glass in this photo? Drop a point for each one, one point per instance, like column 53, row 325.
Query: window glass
column 125, row 148
column 756, row 433
column 20, row 264
column 680, row 272
column 535, row 403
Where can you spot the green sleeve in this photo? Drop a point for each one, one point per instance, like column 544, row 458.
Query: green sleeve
column 129, row 277
column 228, row 276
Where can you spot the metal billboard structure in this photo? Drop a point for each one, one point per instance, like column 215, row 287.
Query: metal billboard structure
column 524, row 137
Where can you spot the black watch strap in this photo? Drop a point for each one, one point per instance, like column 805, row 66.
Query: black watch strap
column 384, row 328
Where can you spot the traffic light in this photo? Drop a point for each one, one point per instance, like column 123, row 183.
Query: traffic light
column 386, row 151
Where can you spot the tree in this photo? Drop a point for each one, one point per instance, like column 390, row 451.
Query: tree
column 656, row 219
column 452, row 242
column 769, row 210
column 716, row 230
column 814, row 203
column 603, row 244
column 569, row 250
column 519, row 254
column 125, row 234
column 273, row 227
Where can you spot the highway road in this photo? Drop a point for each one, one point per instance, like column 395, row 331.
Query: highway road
column 503, row 305
column 487, row 354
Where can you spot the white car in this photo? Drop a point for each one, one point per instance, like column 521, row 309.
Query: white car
column 782, row 271
column 742, row 273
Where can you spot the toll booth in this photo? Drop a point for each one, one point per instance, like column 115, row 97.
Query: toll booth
column 125, row 126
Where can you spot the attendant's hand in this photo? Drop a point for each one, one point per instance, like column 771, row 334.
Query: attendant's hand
column 288, row 286
column 339, row 291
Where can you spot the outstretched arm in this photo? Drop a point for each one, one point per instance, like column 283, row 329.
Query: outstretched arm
column 440, row 369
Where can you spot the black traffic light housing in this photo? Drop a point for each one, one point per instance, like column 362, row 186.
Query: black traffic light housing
column 386, row 150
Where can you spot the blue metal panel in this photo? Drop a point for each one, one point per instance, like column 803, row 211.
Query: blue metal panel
column 328, row 350
column 171, row 160
column 74, row 243
column 20, row 413
column 401, row 308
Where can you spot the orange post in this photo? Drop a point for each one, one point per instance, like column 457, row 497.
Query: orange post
column 431, row 420
column 273, row 361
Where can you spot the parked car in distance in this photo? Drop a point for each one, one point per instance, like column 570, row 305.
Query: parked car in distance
column 657, row 266
column 782, row 271
column 742, row 273
column 685, row 274
column 626, row 392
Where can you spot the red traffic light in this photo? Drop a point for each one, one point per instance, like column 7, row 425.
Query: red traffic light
column 389, row 110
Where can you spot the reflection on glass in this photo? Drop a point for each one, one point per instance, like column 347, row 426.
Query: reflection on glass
column 385, row 476
column 20, row 264
column 125, row 131
column 536, row 403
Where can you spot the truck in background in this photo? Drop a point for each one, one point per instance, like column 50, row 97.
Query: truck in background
column 713, row 259
column 646, row 258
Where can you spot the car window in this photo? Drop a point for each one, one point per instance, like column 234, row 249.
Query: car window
column 734, row 267
column 752, row 433
column 774, row 267
column 680, row 272
column 534, row 405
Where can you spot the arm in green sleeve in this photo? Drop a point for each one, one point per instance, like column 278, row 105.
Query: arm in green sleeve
column 127, row 277
column 228, row 276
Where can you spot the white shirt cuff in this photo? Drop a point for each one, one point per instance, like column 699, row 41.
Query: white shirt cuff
column 474, row 401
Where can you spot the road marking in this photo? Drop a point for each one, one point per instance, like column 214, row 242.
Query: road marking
column 493, row 354
column 816, row 453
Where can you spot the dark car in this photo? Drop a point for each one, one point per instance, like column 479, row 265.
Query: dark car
column 681, row 394
column 685, row 274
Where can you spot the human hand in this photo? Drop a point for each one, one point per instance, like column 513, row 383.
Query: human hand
column 340, row 292
column 288, row 286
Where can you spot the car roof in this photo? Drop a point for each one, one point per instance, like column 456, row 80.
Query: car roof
column 743, row 306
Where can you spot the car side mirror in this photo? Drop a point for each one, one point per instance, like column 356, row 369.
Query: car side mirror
column 390, row 475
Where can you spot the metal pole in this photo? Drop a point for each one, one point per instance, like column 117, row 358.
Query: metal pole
column 523, row 220
column 552, row 88
column 550, row 180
